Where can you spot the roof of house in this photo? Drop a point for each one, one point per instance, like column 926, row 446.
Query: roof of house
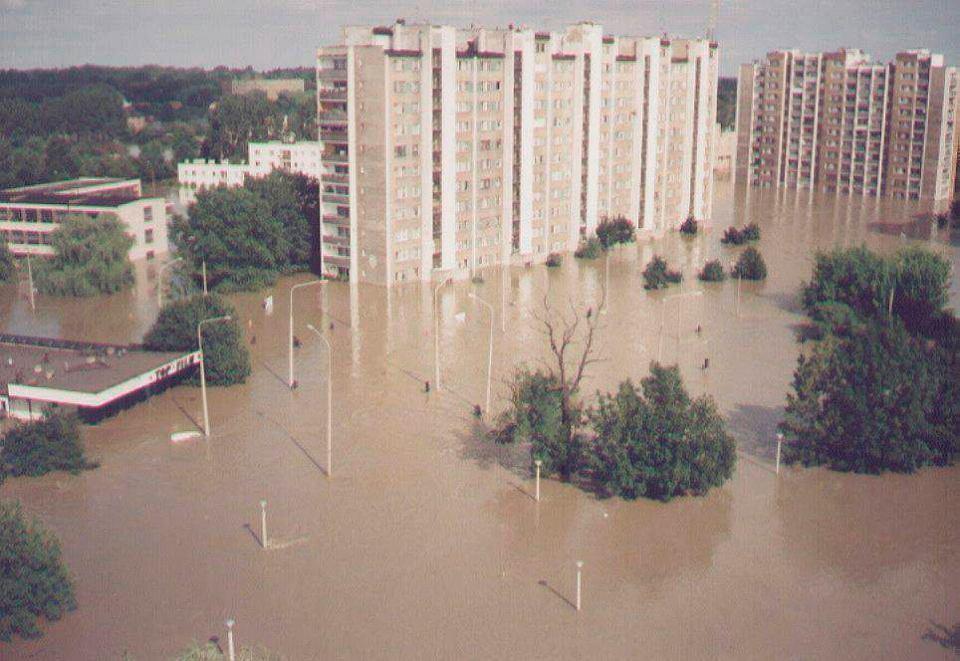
column 86, row 191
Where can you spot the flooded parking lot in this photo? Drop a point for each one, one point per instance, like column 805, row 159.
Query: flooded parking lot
column 426, row 541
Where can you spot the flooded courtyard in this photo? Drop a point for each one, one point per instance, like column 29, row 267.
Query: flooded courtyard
column 426, row 541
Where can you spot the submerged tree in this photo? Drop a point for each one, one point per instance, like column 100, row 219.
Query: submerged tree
column 659, row 443
column 33, row 580
column 545, row 410
column 750, row 265
column 227, row 360
column 91, row 256
column 39, row 447
column 612, row 231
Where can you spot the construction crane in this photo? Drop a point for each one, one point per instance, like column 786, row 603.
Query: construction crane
column 714, row 16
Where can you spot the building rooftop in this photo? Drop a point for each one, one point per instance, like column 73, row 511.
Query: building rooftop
column 86, row 191
column 77, row 367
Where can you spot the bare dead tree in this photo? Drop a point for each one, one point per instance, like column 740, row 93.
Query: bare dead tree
column 572, row 349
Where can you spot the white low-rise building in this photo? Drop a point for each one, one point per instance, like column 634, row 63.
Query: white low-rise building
column 263, row 158
column 30, row 214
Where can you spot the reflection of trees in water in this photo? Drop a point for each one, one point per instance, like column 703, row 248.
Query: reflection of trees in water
column 656, row 543
column 865, row 526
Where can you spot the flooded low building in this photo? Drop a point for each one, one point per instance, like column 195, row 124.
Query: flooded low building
column 39, row 373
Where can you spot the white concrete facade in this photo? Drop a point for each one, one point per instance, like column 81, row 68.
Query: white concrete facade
column 449, row 150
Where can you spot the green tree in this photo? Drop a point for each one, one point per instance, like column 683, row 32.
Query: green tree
column 658, row 443
column 42, row 446
column 589, row 248
column 916, row 280
column 750, row 265
column 656, row 275
column 712, row 271
column 613, row 231
column 227, row 360
column 211, row 652
column 7, row 266
column 874, row 399
column 91, row 256
column 153, row 162
column 33, row 580
column 237, row 120
column 290, row 202
column 689, row 227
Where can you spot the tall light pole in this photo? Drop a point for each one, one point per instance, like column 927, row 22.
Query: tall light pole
column 33, row 306
column 329, row 400
column 291, row 381
column 490, row 349
column 160, row 280
column 230, row 650
column 436, row 333
column 204, row 277
column 203, row 373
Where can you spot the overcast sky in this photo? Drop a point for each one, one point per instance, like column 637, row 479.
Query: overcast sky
column 275, row 33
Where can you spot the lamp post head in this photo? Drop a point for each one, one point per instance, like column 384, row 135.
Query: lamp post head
column 579, row 564
column 310, row 326
column 230, row 623
column 263, row 503
column 538, row 462
column 471, row 294
column 779, row 436
column 228, row 317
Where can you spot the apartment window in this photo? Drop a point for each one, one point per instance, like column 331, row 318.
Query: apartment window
column 147, row 214
column 148, row 236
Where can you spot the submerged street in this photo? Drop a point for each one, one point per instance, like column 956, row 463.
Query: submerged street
column 427, row 542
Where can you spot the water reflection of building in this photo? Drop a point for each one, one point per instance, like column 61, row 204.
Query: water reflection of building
column 263, row 158
column 29, row 214
column 448, row 150
column 840, row 123
column 37, row 373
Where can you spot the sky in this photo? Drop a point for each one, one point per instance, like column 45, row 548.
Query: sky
column 278, row 33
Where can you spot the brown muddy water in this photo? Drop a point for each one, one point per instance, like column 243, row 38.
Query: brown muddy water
column 427, row 543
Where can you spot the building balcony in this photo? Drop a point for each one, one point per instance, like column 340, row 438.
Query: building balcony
column 336, row 198
column 331, row 94
column 333, row 135
column 335, row 157
column 332, row 74
column 337, row 260
column 337, row 240
column 336, row 178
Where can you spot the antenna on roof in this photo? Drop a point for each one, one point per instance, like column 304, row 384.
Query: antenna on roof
column 712, row 22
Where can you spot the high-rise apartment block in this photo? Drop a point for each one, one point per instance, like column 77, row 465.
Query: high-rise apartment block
column 446, row 150
column 839, row 123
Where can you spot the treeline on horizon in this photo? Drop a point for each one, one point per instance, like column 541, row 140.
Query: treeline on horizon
column 62, row 123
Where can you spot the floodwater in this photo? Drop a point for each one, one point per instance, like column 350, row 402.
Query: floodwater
column 426, row 541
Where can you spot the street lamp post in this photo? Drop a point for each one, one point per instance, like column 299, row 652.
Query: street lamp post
column 231, row 654
column 263, row 524
column 436, row 333
column 490, row 349
column 538, row 464
column 33, row 307
column 203, row 373
column 329, row 400
column 579, row 570
column 160, row 280
column 779, row 443
column 291, row 381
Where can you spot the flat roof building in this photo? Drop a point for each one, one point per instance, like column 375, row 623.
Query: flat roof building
column 448, row 150
column 29, row 214
column 271, row 87
column 37, row 373
column 262, row 158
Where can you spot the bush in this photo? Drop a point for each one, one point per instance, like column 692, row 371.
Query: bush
column 656, row 275
column 91, row 256
column 750, row 265
column 617, row 230
column 589, row 248
column 227, row 360
column 37, row 448
column 874, row 399
column 737, row 237
column 689, row 226
column 7, row 266
column 658, row 444
column 554, row 259
column 712, row 271
column 33, row 580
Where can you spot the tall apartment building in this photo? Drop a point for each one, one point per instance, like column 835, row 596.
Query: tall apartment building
column 446, row 150
column 30, row 214
column 839, row 123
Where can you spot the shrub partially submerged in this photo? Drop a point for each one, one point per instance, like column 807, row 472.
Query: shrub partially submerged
column 712, row 271
column 657, row 275
column 738, row 237
column 589, row 248
column 39, row 447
